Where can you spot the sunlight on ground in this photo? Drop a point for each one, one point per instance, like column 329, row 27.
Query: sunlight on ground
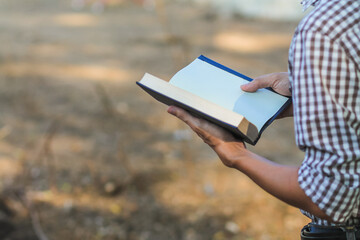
column 75, row 20
column 66, row 201
column 245, row 42
column 47, row 49
column 67, row 71
column 9, row 167
column 71, row 144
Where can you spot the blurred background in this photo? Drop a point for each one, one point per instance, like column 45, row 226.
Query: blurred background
column 86, row 154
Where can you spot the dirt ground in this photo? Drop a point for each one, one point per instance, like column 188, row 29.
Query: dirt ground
column 86, row 154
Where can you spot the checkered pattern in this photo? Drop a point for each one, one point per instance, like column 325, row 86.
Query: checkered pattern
column 306, row 4
column 324, row 67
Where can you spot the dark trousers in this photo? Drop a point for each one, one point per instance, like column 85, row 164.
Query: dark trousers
column 313, row 231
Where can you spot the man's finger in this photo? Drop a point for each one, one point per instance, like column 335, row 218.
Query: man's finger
column 256, row 84
column 199, row 126
column 184, row 116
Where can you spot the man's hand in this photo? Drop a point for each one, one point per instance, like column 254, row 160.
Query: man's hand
column 279, row 82
column 227, row 147
column 278, row 180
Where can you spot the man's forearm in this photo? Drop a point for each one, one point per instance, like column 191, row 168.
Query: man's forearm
column 278, row 180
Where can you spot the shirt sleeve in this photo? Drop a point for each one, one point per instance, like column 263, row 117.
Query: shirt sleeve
column 326, row 113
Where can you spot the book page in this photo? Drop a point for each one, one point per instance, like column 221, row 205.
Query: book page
column 260, row 106
column 223, row 88
column 210, row 83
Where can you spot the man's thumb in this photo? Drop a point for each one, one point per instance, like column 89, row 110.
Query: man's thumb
column 250, row 87
column 257, row 83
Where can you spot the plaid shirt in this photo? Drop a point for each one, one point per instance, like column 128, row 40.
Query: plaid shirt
column 324, row 67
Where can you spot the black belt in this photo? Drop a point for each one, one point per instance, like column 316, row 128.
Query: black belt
column 313, row 231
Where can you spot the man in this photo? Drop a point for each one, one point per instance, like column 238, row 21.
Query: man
column 324, row 82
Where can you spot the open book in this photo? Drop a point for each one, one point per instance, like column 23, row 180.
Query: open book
column 212, row 91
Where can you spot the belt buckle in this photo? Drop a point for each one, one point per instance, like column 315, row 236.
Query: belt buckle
column 350, row 232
